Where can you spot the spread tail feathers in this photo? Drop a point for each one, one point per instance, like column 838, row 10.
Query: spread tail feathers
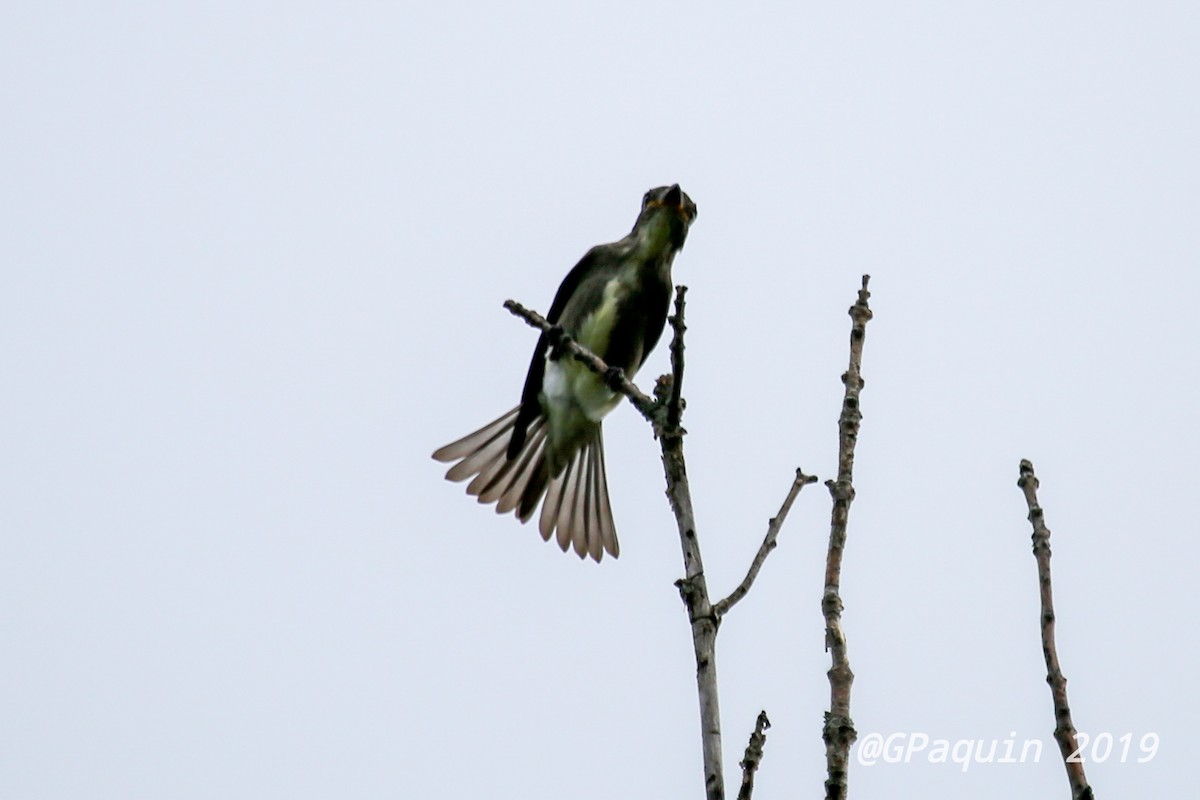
column 576, row 510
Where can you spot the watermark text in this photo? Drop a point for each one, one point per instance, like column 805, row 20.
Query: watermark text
column 910, row 747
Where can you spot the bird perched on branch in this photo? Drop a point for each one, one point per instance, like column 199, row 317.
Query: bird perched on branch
column 614, row 303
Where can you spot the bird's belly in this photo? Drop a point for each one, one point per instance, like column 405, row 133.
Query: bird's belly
column 573, row 391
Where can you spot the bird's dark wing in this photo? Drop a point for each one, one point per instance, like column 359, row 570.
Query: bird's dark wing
column 657, row 302
column 530, row 405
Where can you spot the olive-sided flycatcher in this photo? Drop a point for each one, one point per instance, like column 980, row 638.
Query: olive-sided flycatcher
column 614, row 303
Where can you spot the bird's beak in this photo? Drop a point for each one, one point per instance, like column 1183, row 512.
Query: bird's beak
column 675, row 199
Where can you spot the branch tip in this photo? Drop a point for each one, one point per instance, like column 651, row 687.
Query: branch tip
column 1064, row 729
column 754, row 754
column 769, row 543
column 839, row 731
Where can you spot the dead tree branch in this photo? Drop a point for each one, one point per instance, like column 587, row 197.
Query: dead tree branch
column 693, row 587
column 838, row 732
column 769, row 543
column 1064, row 729
column 616, row 378
column 665, row 412
column 753, row 757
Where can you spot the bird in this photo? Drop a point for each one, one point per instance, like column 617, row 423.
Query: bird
column 614, row 302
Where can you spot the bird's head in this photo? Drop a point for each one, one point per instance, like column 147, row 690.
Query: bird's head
column 667, row 212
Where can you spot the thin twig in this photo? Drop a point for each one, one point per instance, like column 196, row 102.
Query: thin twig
column 754, row 754
column 1064, row 729
column 838, row 732
column 768, row 544
column 675, row 404
column 616, row 378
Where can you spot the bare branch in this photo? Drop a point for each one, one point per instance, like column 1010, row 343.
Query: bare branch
column 693, row 587
column 675, row 404
column 768, row 544
column 616, row 378
column 754, row 754
column 665, row 413
column 1064, row 730
column 839, row 733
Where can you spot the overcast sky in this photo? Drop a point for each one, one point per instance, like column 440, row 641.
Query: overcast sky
column 252, row 262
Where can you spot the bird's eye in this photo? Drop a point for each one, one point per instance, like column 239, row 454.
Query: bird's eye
column 647, row 197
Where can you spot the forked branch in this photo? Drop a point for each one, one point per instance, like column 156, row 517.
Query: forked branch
column 665, row 413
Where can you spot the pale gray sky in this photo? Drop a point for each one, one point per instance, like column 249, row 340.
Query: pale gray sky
column 253, row 264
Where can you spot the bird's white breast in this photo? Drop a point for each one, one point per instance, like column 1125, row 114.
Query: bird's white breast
column 571, row 389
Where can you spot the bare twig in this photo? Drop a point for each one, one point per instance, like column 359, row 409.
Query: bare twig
column 769, row 543
column 616, row 378
column 693, row 587
column 839, row 733
column 675, row 404
column 754, row 754
column 1064, row 730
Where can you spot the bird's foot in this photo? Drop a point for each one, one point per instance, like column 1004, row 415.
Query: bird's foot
column 614, row 378
column 558, row 340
